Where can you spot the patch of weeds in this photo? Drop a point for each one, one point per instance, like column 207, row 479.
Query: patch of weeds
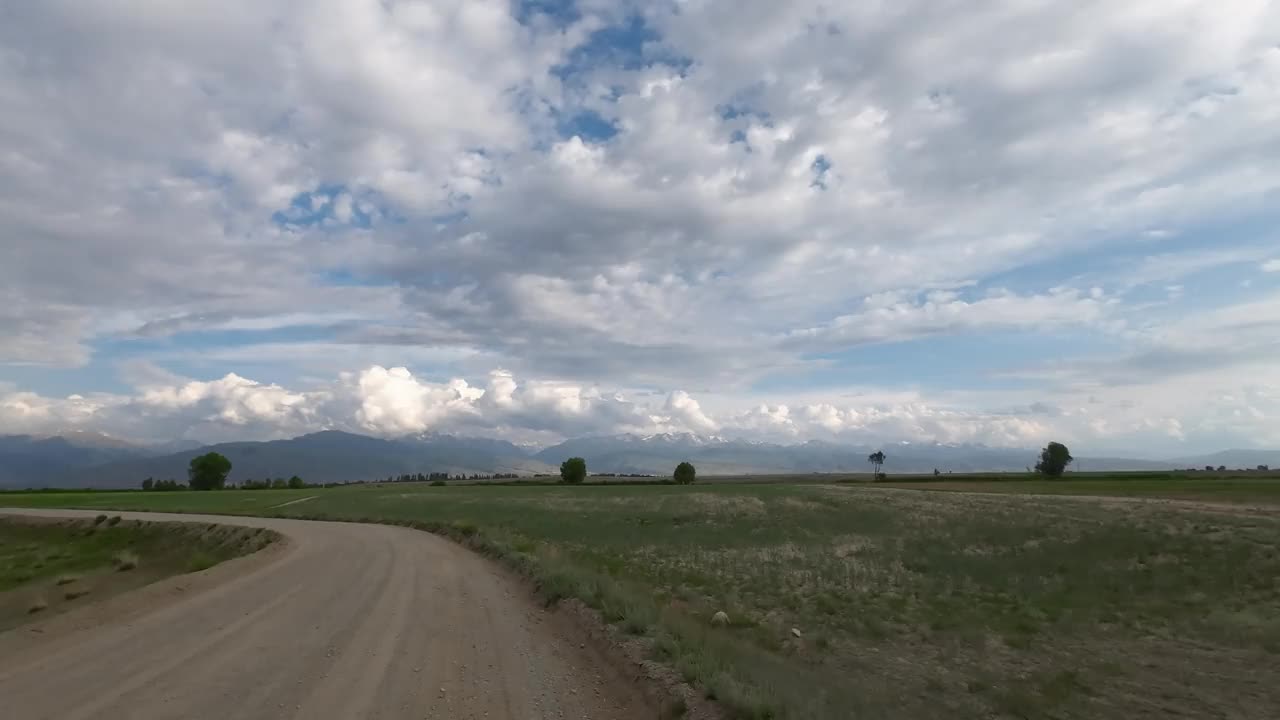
column 37, row 605
column 674, row 708
column 124, row 561
column 201, row 561
column 100, row 519
column 113, row 521
column 66, row 579
column 75, row 594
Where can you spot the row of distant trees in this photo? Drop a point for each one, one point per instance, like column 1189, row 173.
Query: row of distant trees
column 1053, row 461
column 293, row 483
column 444, row 477
column 209, row 472
column 574, row 471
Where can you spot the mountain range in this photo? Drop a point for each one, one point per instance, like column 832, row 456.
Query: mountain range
column 90, row 460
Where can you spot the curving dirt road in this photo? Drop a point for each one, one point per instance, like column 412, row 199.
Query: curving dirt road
column 342, row 621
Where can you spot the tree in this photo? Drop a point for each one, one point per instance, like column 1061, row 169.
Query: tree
column 279, row 484
column 148, row 484
column 685, row 474
column 573, row 470
column 296, row 483
column 1208, row 468
column 208, row 471
column 877, row 461
column 1222, row 468
column 1054, row 460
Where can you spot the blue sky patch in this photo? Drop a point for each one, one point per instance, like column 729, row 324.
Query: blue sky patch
column 588, row 125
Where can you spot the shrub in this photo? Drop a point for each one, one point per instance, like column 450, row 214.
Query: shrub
column 114, row 521
column 573, row 470
column 685, row 474
column 201, row 561
column 100, row 519
column 1054, row 460
column 208, row 471
column 125, row 561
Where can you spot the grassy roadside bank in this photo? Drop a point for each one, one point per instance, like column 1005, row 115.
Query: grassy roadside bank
column 49, row 566
column 914, row 605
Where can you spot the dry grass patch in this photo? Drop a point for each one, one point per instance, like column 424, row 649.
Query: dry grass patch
column 124, row 561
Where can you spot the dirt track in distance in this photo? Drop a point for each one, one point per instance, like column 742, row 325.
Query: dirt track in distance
column 342, row 621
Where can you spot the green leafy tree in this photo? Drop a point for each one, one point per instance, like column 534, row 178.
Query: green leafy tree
column 148, row 484
column 208, row 471
column 296, row 483
column 685, row 474
column 1054, row 460
column 877, row 461
column 279, row 484
column 573, row 470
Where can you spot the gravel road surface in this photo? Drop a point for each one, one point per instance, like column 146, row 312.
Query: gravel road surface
column 341, row 621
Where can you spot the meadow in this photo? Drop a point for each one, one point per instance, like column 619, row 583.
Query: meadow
column 1257, row 489
column 860, row 600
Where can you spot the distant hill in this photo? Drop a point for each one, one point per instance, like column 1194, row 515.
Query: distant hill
column 329, row 456
column 1233, row 459
column 87, row 460
column 27, row 456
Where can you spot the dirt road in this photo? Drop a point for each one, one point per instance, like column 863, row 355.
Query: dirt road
column 342, row 621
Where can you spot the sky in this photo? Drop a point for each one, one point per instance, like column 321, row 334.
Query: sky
column 1004, row 222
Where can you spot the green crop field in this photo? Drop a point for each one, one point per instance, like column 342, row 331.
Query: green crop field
column 904, row 604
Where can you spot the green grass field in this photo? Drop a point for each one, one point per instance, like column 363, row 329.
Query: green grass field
column 1247, row 490
column 907, row 604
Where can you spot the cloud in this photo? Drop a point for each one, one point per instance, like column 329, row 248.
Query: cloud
column 1151, row 419
column 886, row 320
column 404, row 184
column 1271, row 266
column 683, row 410
column 394, row 402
